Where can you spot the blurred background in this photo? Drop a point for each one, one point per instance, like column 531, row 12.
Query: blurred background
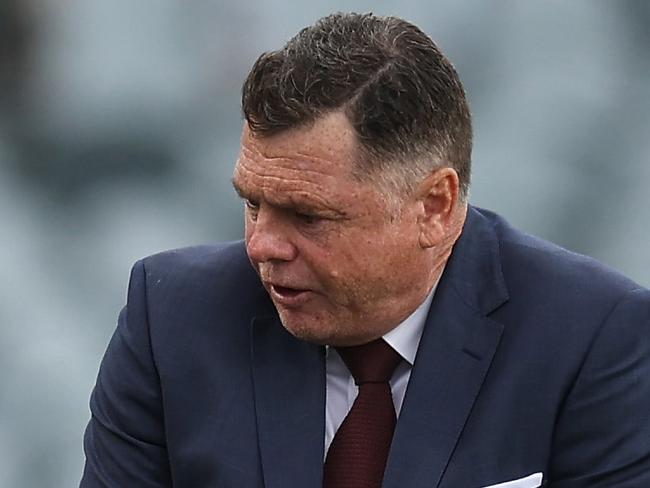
column 119, row 127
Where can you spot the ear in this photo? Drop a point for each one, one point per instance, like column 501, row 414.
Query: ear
column 438, row 195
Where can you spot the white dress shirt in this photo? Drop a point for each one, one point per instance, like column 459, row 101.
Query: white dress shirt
column 341, row 390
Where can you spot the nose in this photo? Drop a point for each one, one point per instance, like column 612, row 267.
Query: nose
column 268, row 237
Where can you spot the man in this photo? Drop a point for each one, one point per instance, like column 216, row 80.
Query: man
column 514, row 363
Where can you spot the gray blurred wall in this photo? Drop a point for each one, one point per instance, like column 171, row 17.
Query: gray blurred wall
column 119, row 126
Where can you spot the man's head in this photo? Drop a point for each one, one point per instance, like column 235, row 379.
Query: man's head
column 354, row 167
column 401, row 95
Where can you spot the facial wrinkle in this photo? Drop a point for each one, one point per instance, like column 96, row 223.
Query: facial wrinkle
column 272, row 186
column 302, row 164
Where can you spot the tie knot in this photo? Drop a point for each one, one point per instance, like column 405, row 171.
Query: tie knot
column 373, row 362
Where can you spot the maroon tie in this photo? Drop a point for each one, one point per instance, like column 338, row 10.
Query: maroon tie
column 358, row 453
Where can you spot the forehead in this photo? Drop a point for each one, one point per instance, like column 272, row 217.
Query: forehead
column 316, row 158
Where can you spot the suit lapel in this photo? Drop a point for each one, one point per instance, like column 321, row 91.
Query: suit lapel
column 289, row 382
column 455, row 353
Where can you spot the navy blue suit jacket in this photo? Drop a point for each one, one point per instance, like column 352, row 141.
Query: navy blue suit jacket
column 533, row 359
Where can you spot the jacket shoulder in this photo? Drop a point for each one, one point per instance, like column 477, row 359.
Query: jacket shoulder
column 201, row 281
column 201, row 266
column 545, row 266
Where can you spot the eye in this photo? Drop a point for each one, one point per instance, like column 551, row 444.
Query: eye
column 252, row 208
column 308, row 218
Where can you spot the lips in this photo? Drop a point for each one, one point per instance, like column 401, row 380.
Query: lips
column 286, row 291
column 288, row 296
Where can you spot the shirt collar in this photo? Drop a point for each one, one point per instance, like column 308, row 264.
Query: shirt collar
column 405, row 338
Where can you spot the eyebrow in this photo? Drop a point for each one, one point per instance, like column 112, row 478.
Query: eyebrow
column 299, row 205
column 241, row 192
column 237, row 188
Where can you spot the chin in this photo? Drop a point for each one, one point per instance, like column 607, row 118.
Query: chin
column 317, row 332
column 308, row 328
column 306, row 333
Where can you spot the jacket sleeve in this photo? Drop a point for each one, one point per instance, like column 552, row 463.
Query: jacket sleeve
column 602, row 436
column 124, row 442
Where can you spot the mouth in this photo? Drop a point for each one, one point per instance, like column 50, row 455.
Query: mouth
column 288, row 296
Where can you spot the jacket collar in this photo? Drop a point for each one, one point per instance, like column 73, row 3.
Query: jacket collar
column 455, row 353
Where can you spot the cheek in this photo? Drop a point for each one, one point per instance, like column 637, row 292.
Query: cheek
column 351, row 277
column 385, row 264
column 359, row 266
